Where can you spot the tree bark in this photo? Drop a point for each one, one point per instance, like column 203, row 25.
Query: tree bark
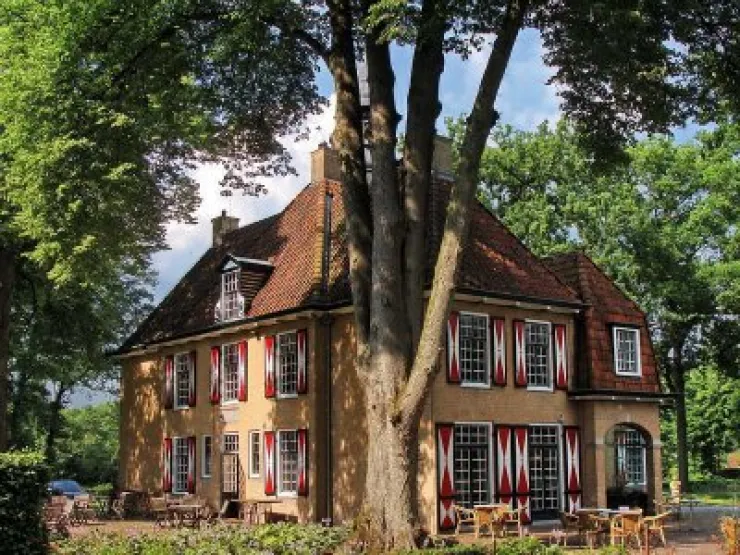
column 682, row 445
column 7, row 281
column 55, row 423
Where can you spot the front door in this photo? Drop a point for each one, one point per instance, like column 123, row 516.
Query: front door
column 544, row 471
column 230, row 469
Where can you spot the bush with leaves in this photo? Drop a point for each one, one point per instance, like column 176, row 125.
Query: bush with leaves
column 23, row 479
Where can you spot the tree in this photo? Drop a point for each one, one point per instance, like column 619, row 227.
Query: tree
column 664, row 225
column 222, row 79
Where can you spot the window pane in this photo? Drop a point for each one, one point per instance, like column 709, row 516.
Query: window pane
column 230, row 296
column 544, row 473
column 287, row 364
column 537, row 350
column 182, row 380
column 288, row 461
column 231, row 443
column 230, row 372
column 471, row 464
column 631, row 451
column 626, row 351
column 254, row 460
column 180, row 473
column 207, row 455
column 474, row 348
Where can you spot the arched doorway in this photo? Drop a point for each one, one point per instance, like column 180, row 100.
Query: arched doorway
column 628, row 463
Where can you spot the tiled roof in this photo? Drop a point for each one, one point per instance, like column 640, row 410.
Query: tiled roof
column 494, row 262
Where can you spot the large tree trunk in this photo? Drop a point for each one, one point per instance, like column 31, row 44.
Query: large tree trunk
column 7, row 281
column 682, row 456
column 55, row 423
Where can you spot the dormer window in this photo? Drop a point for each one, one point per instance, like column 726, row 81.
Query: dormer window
column 230, row 305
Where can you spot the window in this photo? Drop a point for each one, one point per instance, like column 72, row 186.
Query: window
column 182, row 380
column 627, row 351
column 231, row 443
column 287, row 359
column 230, row 373
column 288, row 462
column 474, row 349
column 180, row 463
column 538, row 355
column 230, row 305
column 471, row 464
column 207, row 456
column 631, row 457
column 255, row 444
column 230, row 464
column 544, row 471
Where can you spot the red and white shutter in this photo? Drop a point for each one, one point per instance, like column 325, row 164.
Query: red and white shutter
column 520, row 359
column 453, row 347
column 169, row 381
column 215, row 375
column 504, row 476
column 302, row 351
column 499, row 351
column 242, row 370
column 192, row 383
column 446, row 475
column 270, row 366
column 167, row 465
column 303, row 462
column 572, row 455
column 521, row 470
column 191, row 464
column 561, row 358
column 269, row 439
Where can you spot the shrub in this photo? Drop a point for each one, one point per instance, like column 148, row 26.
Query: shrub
column 278, row 539
column 23, row 480
column 522, row 546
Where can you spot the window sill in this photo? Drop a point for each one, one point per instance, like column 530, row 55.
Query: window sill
column 183, row 407
column 206, row 476
column 286, row 396
column 541, row 389
column 254, row 476
column 475, row 385
column 629, row 374
column 230, row 405
column 288, row 494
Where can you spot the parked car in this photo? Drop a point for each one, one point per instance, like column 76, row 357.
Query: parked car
column 68, row 488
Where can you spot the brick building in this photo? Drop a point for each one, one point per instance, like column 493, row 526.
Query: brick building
column 241, row 382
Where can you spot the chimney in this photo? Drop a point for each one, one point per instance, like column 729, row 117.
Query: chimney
column 442, row 162
column 222, row 225
column 325, row 164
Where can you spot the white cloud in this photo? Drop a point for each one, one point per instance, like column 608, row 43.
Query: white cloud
column 187, row 242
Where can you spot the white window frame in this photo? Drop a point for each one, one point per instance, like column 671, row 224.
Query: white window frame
column 638, row 354
column 203, row 458
column 548, row 388
column 224, row 310
column 222, row 385
column 252, row 450
column 561, row 456
column 623, row 447
column 279, row 474
column 491, row 453
column 279, row 369
column 223, row 439
column 480, row 385
column 176, row 380
column 175, row 442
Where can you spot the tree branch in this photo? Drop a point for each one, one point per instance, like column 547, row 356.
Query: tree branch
column 479, row 124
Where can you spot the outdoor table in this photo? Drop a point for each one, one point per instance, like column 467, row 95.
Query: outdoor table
column 251, row 508
column 184, row 512
column 490, row 515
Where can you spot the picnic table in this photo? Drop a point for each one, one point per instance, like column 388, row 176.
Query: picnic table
column 185, row 514
column 250, row 508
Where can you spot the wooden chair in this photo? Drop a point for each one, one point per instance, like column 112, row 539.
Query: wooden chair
column 595, row 527
column 656, row 526
column 465, row 517
column 626, row 525
column 56, row 518
column 82, row 510
column 159, row 511
column 571, row 523
column 512, row 518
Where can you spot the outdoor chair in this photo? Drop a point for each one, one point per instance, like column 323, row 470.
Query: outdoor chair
column 656, row 526
column 55, row 516
column 730, row 528
column 626, row 525
column 572, row 523
column 465, row 517
column 512, row 518
column 159, row 511
column 594, row 527
column 82, row 510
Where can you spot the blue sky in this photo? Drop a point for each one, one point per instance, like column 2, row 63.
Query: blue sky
column 524, row 101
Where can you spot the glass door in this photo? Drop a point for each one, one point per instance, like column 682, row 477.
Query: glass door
column 544, row 471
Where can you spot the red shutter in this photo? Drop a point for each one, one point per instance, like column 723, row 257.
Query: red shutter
column 561, row 356
column 302, row 348
column 269, row 439
column 453, row 347
column 242, row 370
column 215, row 375
column 192, row 382
column 446, row 475
column 520, row 359
column 521, row 469
column 167, row 465
column 169, row 381
column 572, row 456
column 270, row 366
column 504, row 478
column 303, row 462
column 499, row 351
column 191, row 464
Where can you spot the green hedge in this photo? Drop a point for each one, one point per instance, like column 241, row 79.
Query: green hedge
column 23, row 480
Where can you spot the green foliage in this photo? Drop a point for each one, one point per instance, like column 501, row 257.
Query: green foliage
column 87, row 450
column 279, row 539
column 23, row 479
